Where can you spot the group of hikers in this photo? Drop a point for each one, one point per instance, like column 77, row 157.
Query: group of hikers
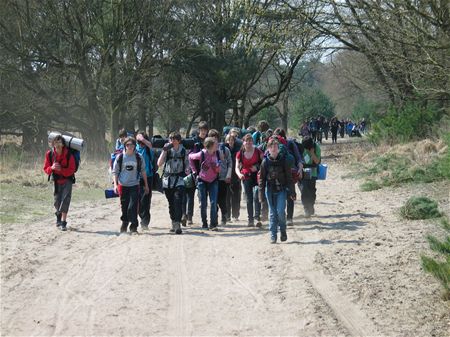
column 263, row 162
column 320, row 127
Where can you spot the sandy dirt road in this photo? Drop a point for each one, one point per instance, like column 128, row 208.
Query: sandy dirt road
column 351, row 270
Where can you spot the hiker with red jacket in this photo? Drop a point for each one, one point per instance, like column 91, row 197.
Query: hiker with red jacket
column 60, row 165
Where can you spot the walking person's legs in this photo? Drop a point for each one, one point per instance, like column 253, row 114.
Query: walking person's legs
column 236, row 200
column 273, row 216
column 203, row 196
column 124, row 203
column 133, row 204
column 222, row 200
column 281, row 215
column 145, row 204
column 63, row 196
column 213, row 190
column 248, row 188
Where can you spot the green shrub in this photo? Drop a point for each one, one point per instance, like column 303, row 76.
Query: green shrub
column 411, row 122
column 370, row 185
column 439, row 268
column 420, row 208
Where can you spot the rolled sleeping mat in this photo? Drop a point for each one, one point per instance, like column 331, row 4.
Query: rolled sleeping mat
column 71, row 142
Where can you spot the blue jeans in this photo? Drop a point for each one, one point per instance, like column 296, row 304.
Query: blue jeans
column 211, row 189
column 277, row 206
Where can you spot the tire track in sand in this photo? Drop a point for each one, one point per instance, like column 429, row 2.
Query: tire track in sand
column 352, row 318
column 179, row 314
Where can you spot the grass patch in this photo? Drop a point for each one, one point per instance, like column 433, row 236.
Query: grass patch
column 440, row 267
column 426, row 161
column 370, row 185
column 420, row 208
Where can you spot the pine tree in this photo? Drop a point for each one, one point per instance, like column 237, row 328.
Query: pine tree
column 440, row 268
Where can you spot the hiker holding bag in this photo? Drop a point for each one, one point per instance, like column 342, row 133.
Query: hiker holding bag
column 60, row 166
column 128, row 167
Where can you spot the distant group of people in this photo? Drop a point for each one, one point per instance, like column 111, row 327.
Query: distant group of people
column 263, row 162
column 320, row 127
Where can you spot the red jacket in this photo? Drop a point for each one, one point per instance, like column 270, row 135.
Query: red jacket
column 67, row 168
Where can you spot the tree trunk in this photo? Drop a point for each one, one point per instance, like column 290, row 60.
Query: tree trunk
column 285, row 111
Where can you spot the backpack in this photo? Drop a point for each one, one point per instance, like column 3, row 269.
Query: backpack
column 273, row 171
column 114, row 155
column 76, row 157
column 138, row 160
column 169, row 157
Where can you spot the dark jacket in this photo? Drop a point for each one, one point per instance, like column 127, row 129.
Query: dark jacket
column 276, row 171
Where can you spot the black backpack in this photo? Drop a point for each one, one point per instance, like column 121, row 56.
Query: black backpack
column 138, row 161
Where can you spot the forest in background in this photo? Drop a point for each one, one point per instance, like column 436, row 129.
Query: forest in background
column 93, row 67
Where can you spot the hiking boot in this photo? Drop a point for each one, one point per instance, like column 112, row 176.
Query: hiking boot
column 58, row 219
column 177, row 227
column 283, row 236
column 289, row 222
column 273, row 240
column 63, row 226
column 124, row 227
column 184, row 220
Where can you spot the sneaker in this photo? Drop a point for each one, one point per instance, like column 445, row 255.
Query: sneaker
column 283, row 236
column 259, row 224
column 273, row 240
column 63, row 226
column 289, row 222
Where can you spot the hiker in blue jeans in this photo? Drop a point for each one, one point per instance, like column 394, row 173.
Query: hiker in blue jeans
column 275, row 182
